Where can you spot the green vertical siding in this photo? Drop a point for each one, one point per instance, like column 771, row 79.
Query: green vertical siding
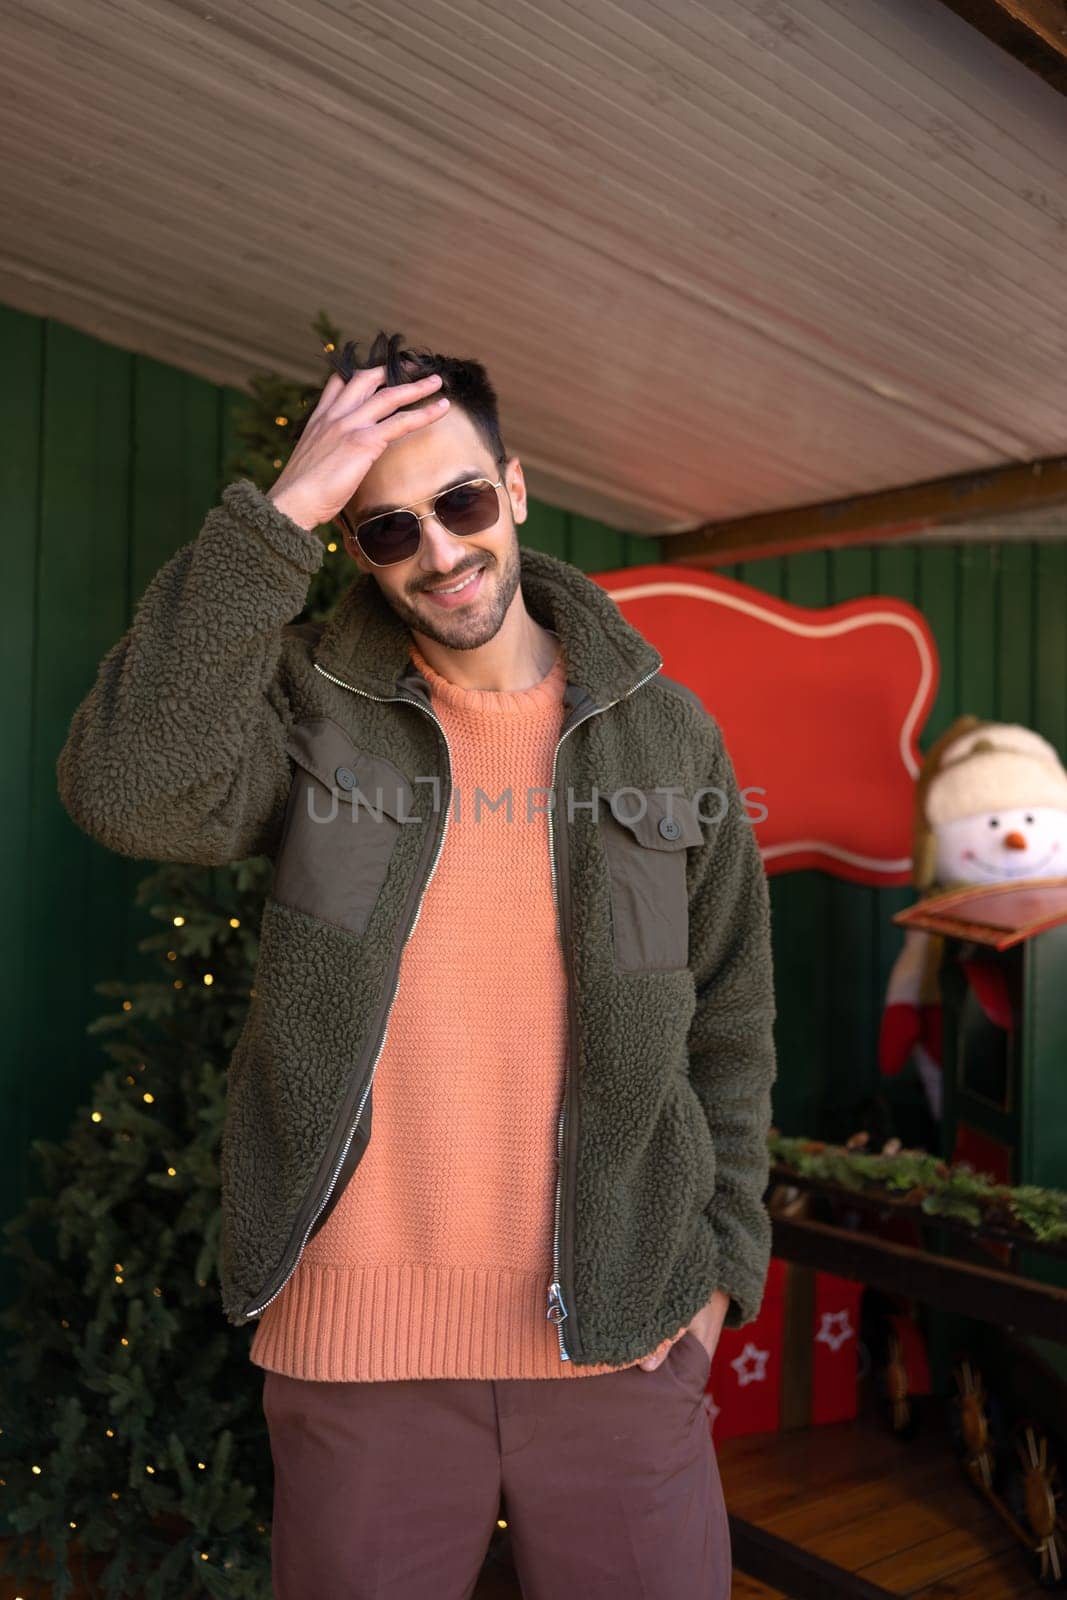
column 20, row 411
column 111, row 461
column 999, row 615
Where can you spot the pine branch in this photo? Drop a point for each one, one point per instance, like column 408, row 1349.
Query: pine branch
column 925, row 1180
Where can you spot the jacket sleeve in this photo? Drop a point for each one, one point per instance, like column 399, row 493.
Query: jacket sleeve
column 177, row 752
column 732, row 1060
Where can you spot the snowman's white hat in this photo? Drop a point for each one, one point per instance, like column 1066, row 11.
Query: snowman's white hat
column 992, row 767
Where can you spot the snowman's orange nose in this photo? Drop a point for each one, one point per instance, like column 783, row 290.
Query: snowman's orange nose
column 1014, row 841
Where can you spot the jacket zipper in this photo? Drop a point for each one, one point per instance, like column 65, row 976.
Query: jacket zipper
column 557, row 1307
column 384, row 699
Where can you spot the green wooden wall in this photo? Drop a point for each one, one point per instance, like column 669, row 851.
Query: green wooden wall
column 111, row 461
column 999, row 616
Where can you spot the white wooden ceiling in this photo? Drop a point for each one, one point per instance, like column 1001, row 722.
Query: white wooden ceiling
column 718, row 257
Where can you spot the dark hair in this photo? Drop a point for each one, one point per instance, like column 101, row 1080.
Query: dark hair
column 466, row 383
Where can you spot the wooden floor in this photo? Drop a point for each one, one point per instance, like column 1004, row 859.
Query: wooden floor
column 897, row 1513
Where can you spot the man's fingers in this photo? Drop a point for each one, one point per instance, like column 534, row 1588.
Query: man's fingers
column 402, row 422
column 657, row 1356
column 379, row 404
column 356, row 391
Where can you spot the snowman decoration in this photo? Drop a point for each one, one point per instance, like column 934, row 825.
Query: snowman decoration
column 990, row 808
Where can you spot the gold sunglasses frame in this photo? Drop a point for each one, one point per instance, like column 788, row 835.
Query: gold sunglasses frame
column 421, row 519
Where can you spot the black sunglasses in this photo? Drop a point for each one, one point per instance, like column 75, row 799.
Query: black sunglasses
column 468, row 508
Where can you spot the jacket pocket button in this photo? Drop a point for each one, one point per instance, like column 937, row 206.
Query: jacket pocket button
column 346, row 778
column 670, row 827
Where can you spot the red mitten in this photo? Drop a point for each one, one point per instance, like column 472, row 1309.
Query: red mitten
column 990, row 986
column 930, row 1030
column 899, row 1031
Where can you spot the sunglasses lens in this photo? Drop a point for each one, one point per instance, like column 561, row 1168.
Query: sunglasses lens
column 393, row 537
column 472, row 508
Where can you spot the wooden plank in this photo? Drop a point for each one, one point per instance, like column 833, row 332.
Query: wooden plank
column 639, row 549
column 81, row 605
column 864, row 1526
column 546, row 528
column 20, row 999
column 898, row 1513
column 833, row 276
column 1049, row 648
column 107, row 909
column 960, row 1549
column 936, row 593
column 897, row 569
column 805, row 930
column 976, row 683
column 163, row 509
column 889, row 514
column 962, row 1287
column 795, row 1096
column 766, row 1475
column 1000, row 1577
column 855, row 912
column 1015, row 607
column 1033, row 31
column 795, row 1569
column 745, row 1588
column 593, row 547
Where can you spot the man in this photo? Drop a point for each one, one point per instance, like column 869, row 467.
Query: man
column 507, row 926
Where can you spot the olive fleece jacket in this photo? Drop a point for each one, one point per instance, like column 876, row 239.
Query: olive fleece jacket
column 217, row 729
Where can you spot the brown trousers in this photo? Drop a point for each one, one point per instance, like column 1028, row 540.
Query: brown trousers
column 391, row 1490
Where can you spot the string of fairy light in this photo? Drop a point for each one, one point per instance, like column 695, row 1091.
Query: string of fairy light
column 97, row 1116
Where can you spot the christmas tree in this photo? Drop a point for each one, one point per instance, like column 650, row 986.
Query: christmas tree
column 134, row 1449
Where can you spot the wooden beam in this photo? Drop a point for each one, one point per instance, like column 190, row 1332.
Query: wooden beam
column 888, row 513
column 1033, row 31
column 791, row 1570
column 1024, row 1305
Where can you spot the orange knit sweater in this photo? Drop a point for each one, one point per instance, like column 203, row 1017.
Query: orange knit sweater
column 436, row 1259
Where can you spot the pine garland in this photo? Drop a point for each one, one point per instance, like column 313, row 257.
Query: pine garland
column 937, row 1187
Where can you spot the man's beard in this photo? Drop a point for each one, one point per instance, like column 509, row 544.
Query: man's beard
column 457, row 630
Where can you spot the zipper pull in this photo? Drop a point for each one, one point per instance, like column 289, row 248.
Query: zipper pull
column 555, row 1303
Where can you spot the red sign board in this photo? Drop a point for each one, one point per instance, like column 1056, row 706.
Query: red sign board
column 821, row 709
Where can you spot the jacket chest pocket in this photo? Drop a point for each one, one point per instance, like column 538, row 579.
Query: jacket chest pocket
column 345, row 811
column 646, row 835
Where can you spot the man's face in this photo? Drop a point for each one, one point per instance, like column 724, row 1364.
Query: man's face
column 412, row 470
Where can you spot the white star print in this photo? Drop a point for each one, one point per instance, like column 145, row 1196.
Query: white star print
column 751, row 1364
column 834, row 1329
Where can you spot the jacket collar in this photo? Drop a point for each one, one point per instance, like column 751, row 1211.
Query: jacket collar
column 367, row 645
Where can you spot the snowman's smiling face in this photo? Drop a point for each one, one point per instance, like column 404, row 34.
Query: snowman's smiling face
column 997, row 846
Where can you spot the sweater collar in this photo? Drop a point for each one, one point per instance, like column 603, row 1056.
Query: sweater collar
column 367, row 645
